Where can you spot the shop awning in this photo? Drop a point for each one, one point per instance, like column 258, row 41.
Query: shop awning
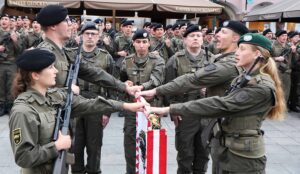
column 188, row 6
column 42, row 3
column 175, row 6
column 125, row 5
column 284, row 10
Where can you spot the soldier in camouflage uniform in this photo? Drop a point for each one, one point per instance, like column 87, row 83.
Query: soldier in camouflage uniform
column 32, row 120
column 73, row 41
column 294, row 104
column 146, row 70
column 176, row 41
column 212, row 47
column 13, row 23
column 123, row 44
column 89, row 129
column 237, row 144
column 282, row 56
column 215, row 77
column 10, row 48
column 208, row 37
column 34, row 37
column 160, row 45
column 105, row 41
column 191, row 156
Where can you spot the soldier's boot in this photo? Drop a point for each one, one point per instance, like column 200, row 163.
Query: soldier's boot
column 2, row 109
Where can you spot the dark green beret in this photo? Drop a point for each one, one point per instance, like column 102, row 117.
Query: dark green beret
column 146, row 24
column 140, row 34
column 158, row 25
column 280, row 32
column 236, row 26
column 191, row 28
column 25, row 17
column 267, row 31
column 98, row 21
column 168, row 27
column 256, row 39
column 35, row 60
column 4, row 15
column 291, row 34
column 175, row 26
column 89, row 26
column 13, row 18
column 127, row 22
column 52, row 15
column 184, row 24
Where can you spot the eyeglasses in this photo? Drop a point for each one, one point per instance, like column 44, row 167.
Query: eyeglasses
column 90, row 33
column 68, row 21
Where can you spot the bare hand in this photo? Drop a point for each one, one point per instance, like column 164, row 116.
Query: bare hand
column 134, row 107
column 149, row 94
column 293, row 47
column 129, row 83
column 106, row 40
column 133, row 89
column 176, row 119
column 63, row 141
column 14, row 37
column 122, row 53
column 280, row 58
column 75, row 89
column 105, row 120
column 2, row 48
column 160, row 111
column 77, row 39
column 168, row 42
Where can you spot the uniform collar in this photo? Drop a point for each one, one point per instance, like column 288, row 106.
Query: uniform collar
column 37, row 96
column 55, row 45
column 194, row 58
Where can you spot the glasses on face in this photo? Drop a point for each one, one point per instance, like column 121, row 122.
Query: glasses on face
column 68, row 21
column 87, row 34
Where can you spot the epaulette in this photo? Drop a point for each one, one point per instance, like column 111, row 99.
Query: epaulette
column 180, row 53
column 25, row 97
column 129, row 56
column 103, row 50
column 56, row 95
column 153, row 56
column 46, row 45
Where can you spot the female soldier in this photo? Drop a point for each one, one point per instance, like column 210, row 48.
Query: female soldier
column 239, row 148
column 32, row 118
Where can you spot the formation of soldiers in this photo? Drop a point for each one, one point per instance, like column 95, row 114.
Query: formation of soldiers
column 145, row 59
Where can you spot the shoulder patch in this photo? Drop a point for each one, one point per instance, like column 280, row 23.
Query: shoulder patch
column 241, row 97
column 17, row 136
column 210, row 67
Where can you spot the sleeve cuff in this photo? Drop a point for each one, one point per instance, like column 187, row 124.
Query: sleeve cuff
column 52, row 151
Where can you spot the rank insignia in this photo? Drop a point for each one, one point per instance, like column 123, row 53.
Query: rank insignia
column 17, row 136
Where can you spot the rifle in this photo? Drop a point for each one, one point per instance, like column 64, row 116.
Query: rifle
column 283, row 66
column 214, row 129
column 61, row 165
column 5, row 40
column 158, row 47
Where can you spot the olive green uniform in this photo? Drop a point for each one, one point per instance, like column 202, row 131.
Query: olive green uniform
column 295, row 79
column 7, row 69
column 191, row 156
column 240, row 148
column 122, row 43
column 284, row 68
column 160, row 46
column 86, row 71
column 89, row 129
column 32, row 124
column 148, row 72
column 71, row 42
column 177, row 43
column 33, row 39
column 102, row 45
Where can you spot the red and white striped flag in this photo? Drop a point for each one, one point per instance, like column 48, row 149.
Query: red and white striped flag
column 151, row 147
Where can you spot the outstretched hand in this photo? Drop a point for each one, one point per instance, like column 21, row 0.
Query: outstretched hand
column 149, row 94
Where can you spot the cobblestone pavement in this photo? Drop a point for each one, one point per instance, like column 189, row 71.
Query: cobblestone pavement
column 282, row 145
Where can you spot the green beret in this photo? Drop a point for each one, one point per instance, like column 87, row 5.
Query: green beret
column 140, row 34
column 52, row 15
column 291, row 34
column 236, row 26
column 191, row 28
column 89, row 26
column 256, row 39
column 158, row 25
column 35, row 60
